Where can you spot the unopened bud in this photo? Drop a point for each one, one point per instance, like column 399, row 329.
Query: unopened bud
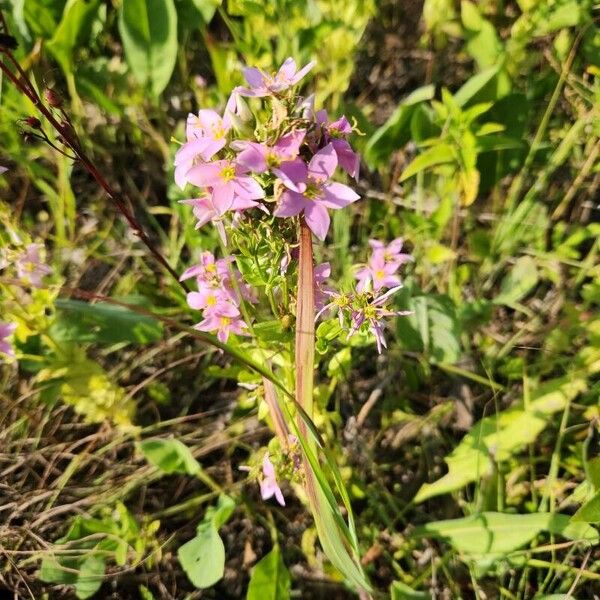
column 52, row 98
column 33, row 122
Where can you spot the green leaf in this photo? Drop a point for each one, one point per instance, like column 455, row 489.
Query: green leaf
column 590, row 511
column 85, row 574
column 270, row 578
column 497, row 534
column 170, row 456
column 218, row 515
column 73, row 30
column 474, row 85
column 483, row 43
column 78, row 321
column 89, row 578
column 43, row 16
column 203, row 557
column 520, row 280
column 439, row 154
column 433, row 328
column 501, row 436
column 148, row 29
column 400, row 591
column 395, row 132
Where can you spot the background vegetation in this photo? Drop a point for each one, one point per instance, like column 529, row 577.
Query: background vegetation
column 470, row 448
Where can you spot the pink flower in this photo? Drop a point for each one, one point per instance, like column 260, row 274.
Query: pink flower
column 268, row 485
column 336, row 134
column 308, row 191
column 3, row 170
column 228, row 183
column 206, row 134
column 30, row 267
column 260, row 157
column 379, row 273
column 261, row 84
column 392, row 252
column 223, row 318
column 208, row 268
column 6, row 330
column 372, row 314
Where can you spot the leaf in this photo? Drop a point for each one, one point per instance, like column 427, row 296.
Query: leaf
column 170, row 456
column 395, row 132
column 89, row 578
column 85, row 574
column 589, row 512
column 73, row 30
column 270, row 578
column 219, row 515
column 501, row 436
column 433, row 328
column 498, row 534
column 400, row 591
column 439, row 154
column 203, row 557
column 474, row 85
column 483, row 43
column 520, row 280
column 148, row 29
column 78, row 321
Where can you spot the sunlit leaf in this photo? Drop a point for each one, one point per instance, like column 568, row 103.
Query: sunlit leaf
column 148, row 29
column 169, row 455
column 270, row 579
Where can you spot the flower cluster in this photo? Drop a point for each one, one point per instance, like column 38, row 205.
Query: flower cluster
column 28, row 263
column 220, row 291
column 289, row 166
column 368, row 307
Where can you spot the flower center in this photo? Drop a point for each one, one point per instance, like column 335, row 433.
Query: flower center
column 312, row 191
column 225, row 321
column 273, row 160
column 211, row 300
column 379, row 274
column 228, row 173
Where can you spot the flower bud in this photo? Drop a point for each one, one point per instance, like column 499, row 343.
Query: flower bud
column 52, row 98
column 33, row 122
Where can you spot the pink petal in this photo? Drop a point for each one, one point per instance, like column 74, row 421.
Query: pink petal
column 302, row 72
column 293, row 174
column 287, row 70
column 248, row 188
column 195, row 300
column 253, row 157
column 317, row 219
column 222, row 197
column 253, row 76
column 288, row 146
column 338, row 195
column 290, row 205
column 323, row 164
column 207, row 175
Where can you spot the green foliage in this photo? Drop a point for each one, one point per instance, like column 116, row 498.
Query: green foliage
column 170, row 456
column 270, row 579
column 203, row 557
column 149, row 33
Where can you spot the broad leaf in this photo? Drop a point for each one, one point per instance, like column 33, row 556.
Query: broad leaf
column 492, row 533
column 590, row 511
column 270, row 578
column 203, row 557
column 400, row 591
column 170, row 456
column 148, row 29
column 73, row 30
column 101, row 323
column 440, row 153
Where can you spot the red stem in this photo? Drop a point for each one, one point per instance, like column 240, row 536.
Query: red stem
column 70, row 139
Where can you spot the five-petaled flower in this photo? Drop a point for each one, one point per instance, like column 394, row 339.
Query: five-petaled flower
column 309, row 191
column 260, row 84
column 30, row 267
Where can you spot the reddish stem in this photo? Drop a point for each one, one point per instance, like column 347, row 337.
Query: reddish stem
column 305, row 324
column 70, row 139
